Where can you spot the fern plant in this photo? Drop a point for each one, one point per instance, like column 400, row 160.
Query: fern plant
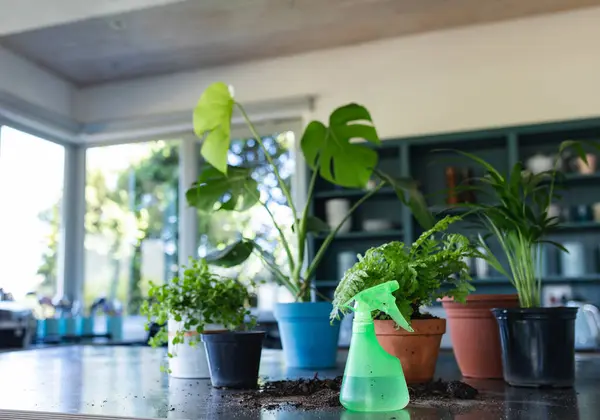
column 429, row 269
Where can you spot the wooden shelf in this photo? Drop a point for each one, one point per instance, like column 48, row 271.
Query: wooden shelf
column 495, row 280
column 387, row 234
column 499, row 280
column 326, row 283
column 571, row 226
column 448, row 210
column 572, row 178
column 347, row 193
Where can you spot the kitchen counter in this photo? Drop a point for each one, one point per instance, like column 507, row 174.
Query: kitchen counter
column 127, row 381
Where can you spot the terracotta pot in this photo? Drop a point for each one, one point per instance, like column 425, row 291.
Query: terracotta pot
column 474, row 334
column 418, row 351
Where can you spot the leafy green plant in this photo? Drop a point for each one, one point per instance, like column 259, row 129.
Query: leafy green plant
column 198, row 298
column 518, row 217
column 428, row 269
column 329, row 152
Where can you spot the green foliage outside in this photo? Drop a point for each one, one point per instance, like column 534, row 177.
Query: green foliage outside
column 142, row 204
column 428, row 269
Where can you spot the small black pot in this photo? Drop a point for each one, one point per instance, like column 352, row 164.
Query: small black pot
column 233, row 358
column 538, row 346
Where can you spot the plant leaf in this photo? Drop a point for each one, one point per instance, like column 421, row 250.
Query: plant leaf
column 214, row 190
column 416, row 202
column 314, row 225
column 556, row 244
column 212, row 120
column 232, row 255
column 329, row 150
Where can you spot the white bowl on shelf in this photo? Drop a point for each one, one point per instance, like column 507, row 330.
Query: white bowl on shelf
column 376, row 225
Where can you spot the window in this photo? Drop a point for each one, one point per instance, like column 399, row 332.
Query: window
column 219, row 229
column 31, row 187
column 131, row 220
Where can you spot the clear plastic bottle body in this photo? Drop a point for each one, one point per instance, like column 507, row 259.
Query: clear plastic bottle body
column 373, row 379
column 374, row 394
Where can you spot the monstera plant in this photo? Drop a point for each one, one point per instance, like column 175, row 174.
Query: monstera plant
column 332, row 153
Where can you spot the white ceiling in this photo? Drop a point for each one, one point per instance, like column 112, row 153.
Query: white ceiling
column 149, row 37
column 17, row 15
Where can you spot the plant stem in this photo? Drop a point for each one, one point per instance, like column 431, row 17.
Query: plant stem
column 257, row 137
column 284, row 241
column 315, row 262
column 281, row 278
column 301, row 229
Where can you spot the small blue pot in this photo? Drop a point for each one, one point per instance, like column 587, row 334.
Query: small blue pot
column 73, row 327
column 87, row 326
column 114, row 327
column 308, row 339
column 54, row 327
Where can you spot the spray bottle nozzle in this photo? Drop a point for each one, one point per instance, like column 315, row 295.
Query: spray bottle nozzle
column 379, row 298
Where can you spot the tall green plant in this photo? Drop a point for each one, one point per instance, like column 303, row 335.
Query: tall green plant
column 428, row 269
column 329, row 152
column 518, row 217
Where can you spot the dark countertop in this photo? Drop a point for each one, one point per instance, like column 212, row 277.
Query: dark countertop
column 126, row 381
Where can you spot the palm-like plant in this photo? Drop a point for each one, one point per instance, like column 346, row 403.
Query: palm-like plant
column 519, row 218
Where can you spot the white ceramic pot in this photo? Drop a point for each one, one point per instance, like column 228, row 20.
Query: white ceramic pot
column 540, row 163
column 335, row 210
column 188, row 362
column 573, row 262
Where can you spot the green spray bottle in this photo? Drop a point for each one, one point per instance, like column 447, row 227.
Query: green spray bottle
column 373, row 378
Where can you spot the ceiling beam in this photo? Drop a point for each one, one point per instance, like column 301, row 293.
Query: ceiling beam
column 25, row 15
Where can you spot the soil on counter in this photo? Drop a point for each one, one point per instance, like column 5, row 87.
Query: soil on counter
column 309, row 394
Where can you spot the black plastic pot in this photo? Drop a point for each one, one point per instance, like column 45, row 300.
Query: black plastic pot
column 233, row 358
column 538, row 346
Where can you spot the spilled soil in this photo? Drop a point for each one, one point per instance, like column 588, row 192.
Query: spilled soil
column 310, row 394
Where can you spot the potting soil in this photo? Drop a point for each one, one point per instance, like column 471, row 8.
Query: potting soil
column 318, row 393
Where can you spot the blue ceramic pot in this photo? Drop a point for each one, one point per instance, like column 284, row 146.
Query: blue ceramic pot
column 87, row 326
column 114, row 327
column 308, row 339
column 73, row 327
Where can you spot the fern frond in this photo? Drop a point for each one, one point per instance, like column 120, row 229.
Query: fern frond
column 423, row 270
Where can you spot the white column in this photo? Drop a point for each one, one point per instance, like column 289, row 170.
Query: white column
column 72, row 232
column 189, row 155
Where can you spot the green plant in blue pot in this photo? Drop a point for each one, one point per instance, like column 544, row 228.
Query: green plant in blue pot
column 309, row 340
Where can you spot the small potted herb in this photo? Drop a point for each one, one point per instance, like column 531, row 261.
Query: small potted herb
column 538, row 344
column 190, row 303
column 309, row 340
column 429, row 269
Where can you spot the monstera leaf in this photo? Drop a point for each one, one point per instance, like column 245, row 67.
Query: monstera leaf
column 232, row 255
column 212, row 121
column 237, row 191
column 329, row 150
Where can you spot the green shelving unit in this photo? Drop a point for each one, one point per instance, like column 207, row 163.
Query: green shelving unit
column 425, row 158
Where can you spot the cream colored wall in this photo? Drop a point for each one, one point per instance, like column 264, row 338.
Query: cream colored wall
column 20, row 77
column 538, row 69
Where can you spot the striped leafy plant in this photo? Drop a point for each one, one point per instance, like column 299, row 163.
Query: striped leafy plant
column 518, row 218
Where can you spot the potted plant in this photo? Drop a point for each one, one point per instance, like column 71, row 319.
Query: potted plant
column 475, row 335
column 308, row 338
column 537, row 342
column 189, row 304
column 431, row 268
column 474, row 331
